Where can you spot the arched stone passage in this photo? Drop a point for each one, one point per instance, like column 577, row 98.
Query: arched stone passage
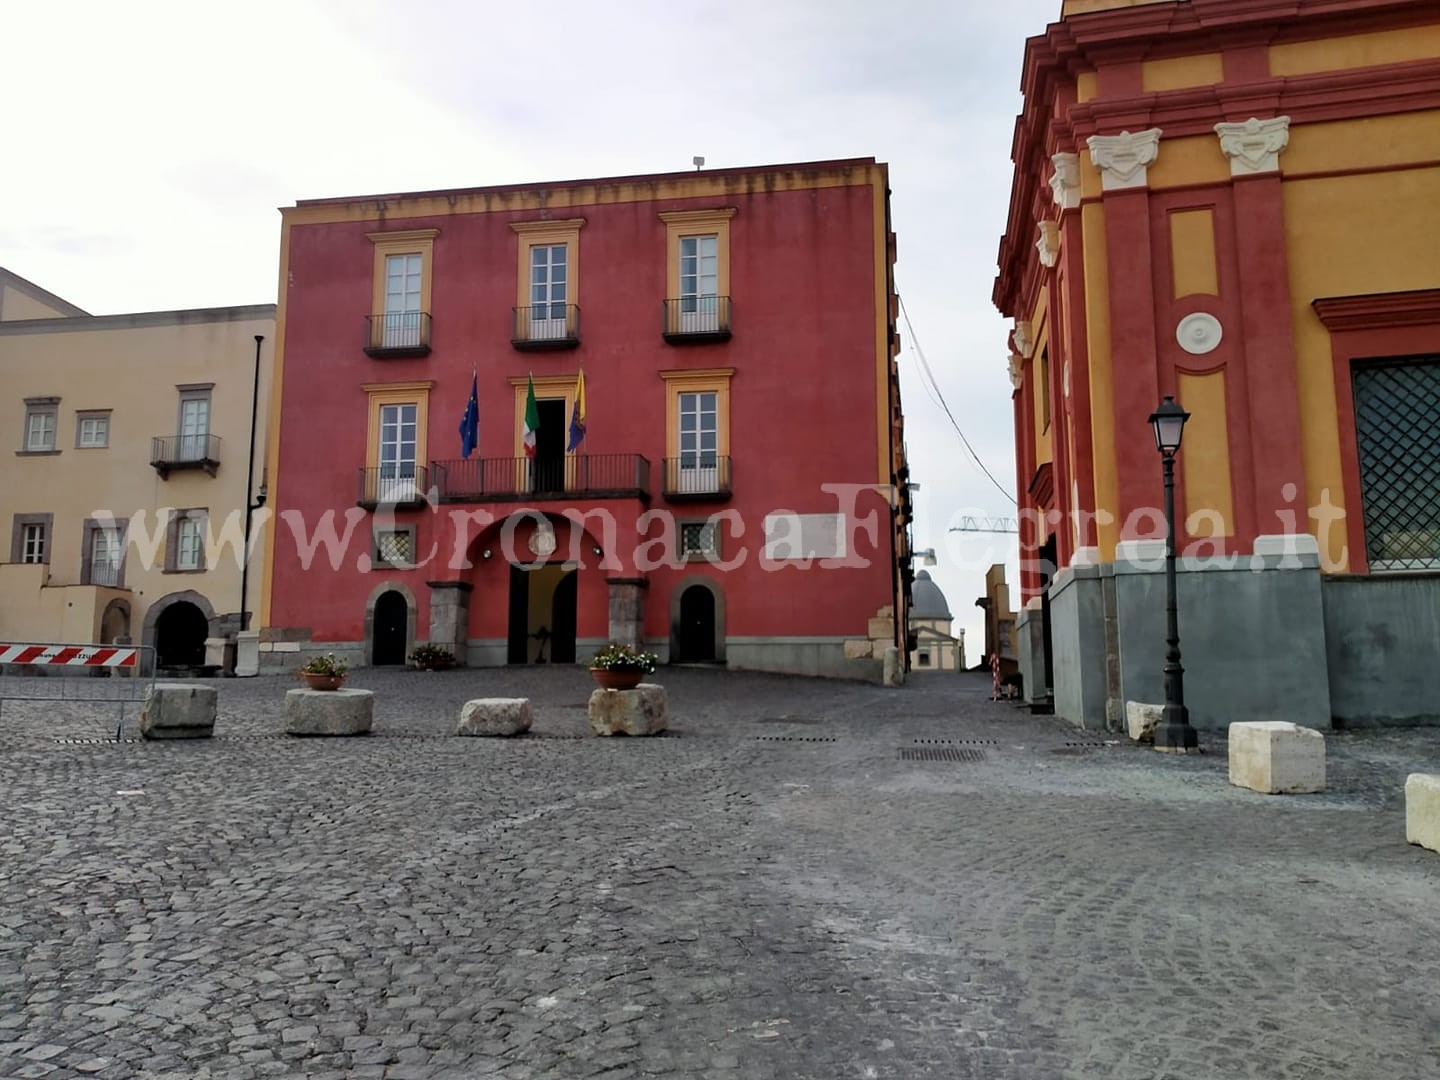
column 697, row 621
column 374, row 626
column 115, row 622
column 182, row 627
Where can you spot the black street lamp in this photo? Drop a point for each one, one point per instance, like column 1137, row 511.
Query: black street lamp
column 1173, row 735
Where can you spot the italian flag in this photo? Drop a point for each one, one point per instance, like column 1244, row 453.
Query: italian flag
column 532, row 418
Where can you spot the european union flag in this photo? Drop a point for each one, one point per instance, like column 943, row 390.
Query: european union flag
column 470, row 425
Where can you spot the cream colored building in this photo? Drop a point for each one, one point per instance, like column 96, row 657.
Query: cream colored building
column 130, row 438
column 934, row 647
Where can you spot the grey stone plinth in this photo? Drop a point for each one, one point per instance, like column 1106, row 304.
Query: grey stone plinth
column 495, row 716
column 1422, row 810
column 247, row 653
column 1141, row 719
column 329, row 712
column 1276, row 757
column 178, row 711
column 642, row 711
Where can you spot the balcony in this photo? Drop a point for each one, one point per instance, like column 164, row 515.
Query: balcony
column 697, row 477
column 696, row 319
column 583, row 476
column 546, row 326
column 169, row 453
column 401, row 487
column 397, row 334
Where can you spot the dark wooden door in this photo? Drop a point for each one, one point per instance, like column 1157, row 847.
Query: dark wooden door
column 697, row 625
column 518, row 649
column 392, row 614
column 550, row 446
column 562, row 619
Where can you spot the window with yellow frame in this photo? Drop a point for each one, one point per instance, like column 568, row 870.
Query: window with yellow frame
column 396, row 442
column 401, row 289
column 697, row 432
column 547, row 312
column 697, row 272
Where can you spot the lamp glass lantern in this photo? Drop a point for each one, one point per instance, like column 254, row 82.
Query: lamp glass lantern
column 1169, row 424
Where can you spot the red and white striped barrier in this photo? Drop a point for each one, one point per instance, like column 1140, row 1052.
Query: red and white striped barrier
column 71, row 655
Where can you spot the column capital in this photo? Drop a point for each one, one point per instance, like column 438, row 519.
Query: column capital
column 1023, row 338
column 1047, row 242
column 1124, row 159
column 1065, row 180
column 1253, row 146
column 1016, row 368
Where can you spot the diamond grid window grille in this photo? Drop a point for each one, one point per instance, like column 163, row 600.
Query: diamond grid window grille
column 1397, row 429
column 394, row 547
column 698, row 538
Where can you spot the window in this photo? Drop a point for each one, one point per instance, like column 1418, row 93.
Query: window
column 92, row 429
column 698, row 271
column 924, row 658
column 101, row 554
column 396, row 441
column 700, row 539
column 185, row 542
column 193, row 427
column 395, row 548
column 1397, row 429
column 1043, row 389
column 402, row 287
column 549, row 273
column 40, row 417
column 697, row 432
column 30, row 538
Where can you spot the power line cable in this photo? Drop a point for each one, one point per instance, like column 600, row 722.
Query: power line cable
column 928, row 377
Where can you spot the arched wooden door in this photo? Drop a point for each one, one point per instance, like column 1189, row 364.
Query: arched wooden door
column 392, row 616
column 696, row 636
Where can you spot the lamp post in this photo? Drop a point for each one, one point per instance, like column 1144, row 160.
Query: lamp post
column 1173, row 735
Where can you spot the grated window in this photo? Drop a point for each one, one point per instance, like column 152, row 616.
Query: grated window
column 1397, row 429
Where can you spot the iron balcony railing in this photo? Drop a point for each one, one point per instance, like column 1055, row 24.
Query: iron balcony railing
column 398, row 334
column 402, row 486
column 696, row 318
column 546, row 326
column 697, row 476
column 171, row 452
column 579, row 476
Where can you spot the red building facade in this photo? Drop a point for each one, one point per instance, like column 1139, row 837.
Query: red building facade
column 738, row 494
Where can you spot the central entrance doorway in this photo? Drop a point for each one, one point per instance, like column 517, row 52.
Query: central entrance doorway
column 696, row 636
column 543, row 602
column 392, row 616
column 550, row 446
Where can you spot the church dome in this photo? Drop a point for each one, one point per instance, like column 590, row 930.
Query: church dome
column 926, row 599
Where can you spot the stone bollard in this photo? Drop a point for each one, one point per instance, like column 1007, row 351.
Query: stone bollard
column 329, row 712
column 642, row 711
column 178, row 711
column 1142, row 719
column 495, row 716
column 1422, row 810
column 1275, row 757
column 247, row 653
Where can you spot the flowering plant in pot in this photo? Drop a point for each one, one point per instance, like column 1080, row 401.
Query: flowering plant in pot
column 621, row 667
column 324, row 672
column 432, row 658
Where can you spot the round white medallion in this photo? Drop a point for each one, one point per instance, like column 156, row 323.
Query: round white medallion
column 1199, row 333
column 542, row 542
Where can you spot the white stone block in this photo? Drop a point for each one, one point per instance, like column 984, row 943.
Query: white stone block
column 495, row 716
column 285, row 646
column 329, row 712
column 642, row 711
column 1141, row 720
column 1276, row 757
column 1422, row 810
column 247, row 653
column 856, row 649
column 178, row 711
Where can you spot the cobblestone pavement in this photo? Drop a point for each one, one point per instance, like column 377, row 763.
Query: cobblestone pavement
column 778, row 888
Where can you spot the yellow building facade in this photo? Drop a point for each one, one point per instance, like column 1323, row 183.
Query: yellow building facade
column 1231, row 205
column 123, row 491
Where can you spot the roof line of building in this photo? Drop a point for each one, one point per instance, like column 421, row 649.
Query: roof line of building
column 138, row 320
column 750, row 170
column 44, row 296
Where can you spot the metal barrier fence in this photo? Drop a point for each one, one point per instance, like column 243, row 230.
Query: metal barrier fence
column 116, row 675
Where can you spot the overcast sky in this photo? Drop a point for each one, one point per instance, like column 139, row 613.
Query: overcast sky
column 148, row 145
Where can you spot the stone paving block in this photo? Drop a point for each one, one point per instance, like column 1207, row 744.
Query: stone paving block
column 178, row 711
column 1422, row 810
column 495, row 716
column 329, row 712
column 642, row 711
column 1276, row 757
column 1141, row 720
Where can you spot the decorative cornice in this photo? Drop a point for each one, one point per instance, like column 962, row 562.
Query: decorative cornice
column 1254, row 146
column 696, row 217
column 405, row 235
column 1379, row 311
column 1065, row 180
column 1047, row 242
column 1022, row 337
column 1124, row 159
column 574, row 224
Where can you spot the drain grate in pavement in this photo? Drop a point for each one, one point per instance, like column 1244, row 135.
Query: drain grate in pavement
column 940, row 753
column 950, row 742
column 796, row 738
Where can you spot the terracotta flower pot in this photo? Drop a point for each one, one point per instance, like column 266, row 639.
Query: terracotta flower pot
column 617, row 680
column 322, row 682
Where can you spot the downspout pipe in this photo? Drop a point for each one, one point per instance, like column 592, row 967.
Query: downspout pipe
column 251, row 504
